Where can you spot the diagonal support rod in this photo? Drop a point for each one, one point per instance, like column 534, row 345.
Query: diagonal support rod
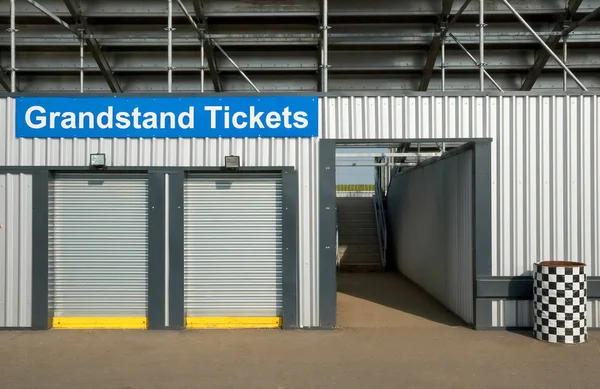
column 552, row 42
column 202, row 34
column 475, row 61
column 436, row 43
column 207, row 44
column 92, row 45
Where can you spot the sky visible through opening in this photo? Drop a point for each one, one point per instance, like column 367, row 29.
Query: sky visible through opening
column 356, row 175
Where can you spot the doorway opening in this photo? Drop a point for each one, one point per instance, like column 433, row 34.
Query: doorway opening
column 374, row 288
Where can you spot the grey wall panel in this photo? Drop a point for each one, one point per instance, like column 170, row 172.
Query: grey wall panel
column 545, row 168
column 430, row 219
column 519, row 314
column 15, row 250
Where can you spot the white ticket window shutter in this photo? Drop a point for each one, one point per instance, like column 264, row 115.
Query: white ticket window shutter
column 98, row 245
column 233, row 245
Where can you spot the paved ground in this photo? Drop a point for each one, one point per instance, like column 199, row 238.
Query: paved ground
column 428, row 349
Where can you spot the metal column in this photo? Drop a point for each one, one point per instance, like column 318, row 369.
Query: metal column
column 202, row 65
column 325, row 48
column 81, row 58
column 443, row 53
column 170, row 46
column 565, row 59
column 481, row 46
column 13, row 70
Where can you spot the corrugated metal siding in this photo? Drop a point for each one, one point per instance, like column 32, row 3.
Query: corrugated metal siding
column 546, row 168
column 299, row 153
column 536, row 147
column 15, row 250
column 430, row 220
column 233, row 245
column 519, row 314
column 98, row 245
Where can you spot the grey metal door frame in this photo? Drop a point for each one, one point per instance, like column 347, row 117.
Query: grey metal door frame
column 165, row 285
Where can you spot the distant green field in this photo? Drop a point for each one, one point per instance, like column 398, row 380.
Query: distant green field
column 355, row 188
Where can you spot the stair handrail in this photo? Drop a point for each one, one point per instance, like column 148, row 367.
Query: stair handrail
column 380, row 218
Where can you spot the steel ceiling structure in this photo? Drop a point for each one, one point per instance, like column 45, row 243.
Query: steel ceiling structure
column 157, row 46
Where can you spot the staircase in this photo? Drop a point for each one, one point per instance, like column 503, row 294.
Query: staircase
column 358, row 243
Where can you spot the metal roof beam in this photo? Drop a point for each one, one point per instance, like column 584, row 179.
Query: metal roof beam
column 209, row 49
column 436, row 43
column 94, row 47
column 586, row 19
column 552, row 43
column 4, row 79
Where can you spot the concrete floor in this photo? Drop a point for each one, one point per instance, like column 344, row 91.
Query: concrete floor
column 383, row 343
column 387, row 300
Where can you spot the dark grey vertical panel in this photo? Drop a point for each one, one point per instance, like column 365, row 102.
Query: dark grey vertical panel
column 483, row 310
column 327, row 235
column 483, row 207
column 40, row 315
column 176, row 242
column 482, row 227
column 290, row 248
column 156, row 250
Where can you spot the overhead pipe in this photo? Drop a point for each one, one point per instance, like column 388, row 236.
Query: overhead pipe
column 541, row 41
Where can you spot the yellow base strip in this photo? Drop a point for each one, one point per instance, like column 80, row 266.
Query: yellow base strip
column 232, row 322
column 87, row 323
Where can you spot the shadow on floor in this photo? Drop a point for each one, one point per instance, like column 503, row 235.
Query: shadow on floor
column 387, row 300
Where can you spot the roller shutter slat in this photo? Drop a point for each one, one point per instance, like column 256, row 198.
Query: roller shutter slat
column 233, row 245
column 98, row 245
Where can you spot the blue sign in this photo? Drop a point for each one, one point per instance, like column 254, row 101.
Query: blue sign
column 167, row 117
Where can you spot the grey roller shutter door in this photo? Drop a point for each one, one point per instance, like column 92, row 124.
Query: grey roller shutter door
column 233, row 245
column 98, row 245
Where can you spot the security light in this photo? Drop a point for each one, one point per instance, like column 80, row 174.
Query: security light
column 232, row 162
column 98, row 161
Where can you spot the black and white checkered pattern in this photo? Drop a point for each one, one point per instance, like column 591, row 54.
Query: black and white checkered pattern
column 560, row 303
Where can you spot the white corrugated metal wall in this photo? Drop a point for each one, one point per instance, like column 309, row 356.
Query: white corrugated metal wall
column 545, row 167
column 15, row 250
column 300, row 153
column 434, row 203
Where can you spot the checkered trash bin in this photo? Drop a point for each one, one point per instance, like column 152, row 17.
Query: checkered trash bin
column 559, row 306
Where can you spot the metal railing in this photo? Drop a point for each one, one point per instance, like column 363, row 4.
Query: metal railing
column 380, row 217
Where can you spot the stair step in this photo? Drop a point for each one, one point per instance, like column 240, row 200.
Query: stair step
column 358, row 249
column 360, row 259
column 358, row 240
column 367, row 208
column 362, row 217
column 356, row 231
column 361, row 268
column 354, row 200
